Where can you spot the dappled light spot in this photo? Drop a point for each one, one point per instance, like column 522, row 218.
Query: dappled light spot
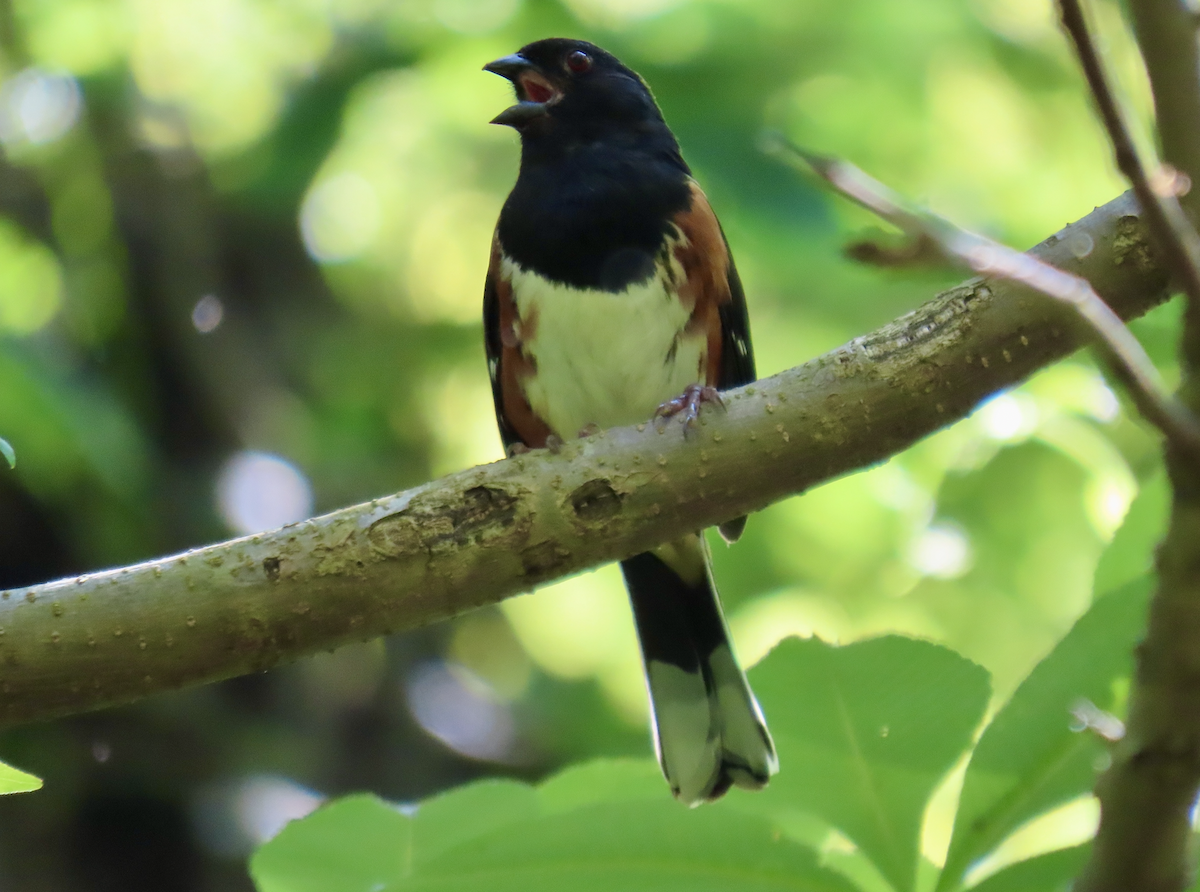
column 265, row 804
column 461, row 710
column 340, row 218
column 1107, row 498
column 226, row 64
column 257, row 491
column 38, row 107
column 30, row 282
column 1008, row 417
column 233, row 818
column 208, row 313
column 1105, row 406
column 942, row 551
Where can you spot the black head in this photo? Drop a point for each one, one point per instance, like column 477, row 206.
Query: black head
column 572, row 88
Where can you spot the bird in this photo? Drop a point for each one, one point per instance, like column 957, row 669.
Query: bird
column 612, row 298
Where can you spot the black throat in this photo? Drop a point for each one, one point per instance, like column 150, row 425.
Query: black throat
column 591, row 210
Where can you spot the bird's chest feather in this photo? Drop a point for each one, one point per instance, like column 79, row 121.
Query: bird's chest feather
column 603, row 358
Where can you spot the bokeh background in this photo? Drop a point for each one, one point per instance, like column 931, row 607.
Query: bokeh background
column 242, row 245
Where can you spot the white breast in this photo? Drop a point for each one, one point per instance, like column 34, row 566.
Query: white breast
column 602, row 358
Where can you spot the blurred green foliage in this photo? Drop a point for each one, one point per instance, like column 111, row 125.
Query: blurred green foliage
column 241, row 252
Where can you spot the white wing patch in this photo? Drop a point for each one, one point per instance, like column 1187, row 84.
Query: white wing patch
column 604, row 358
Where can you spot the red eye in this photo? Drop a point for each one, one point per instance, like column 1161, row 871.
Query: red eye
column 579, row 61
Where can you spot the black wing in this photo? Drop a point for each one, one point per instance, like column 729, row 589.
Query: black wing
column 737, row 353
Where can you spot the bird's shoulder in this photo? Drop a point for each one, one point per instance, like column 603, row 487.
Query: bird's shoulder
column 710, row 285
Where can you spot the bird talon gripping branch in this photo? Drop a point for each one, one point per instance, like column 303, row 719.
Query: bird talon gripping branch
column 687, row 405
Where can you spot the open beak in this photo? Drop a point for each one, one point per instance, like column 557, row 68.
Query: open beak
column 509, row 66
column 535, row 93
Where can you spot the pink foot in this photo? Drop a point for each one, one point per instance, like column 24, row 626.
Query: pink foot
column 687, row 404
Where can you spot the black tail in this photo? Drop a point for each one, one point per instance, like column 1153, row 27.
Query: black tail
column 709, row 730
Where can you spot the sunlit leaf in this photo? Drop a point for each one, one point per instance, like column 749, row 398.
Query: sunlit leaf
column 1130, row 555
column 13, row 780
column 609, row 847
column 1029, row 759
column 593, row 827
column 865, row 733
column 1052, row 872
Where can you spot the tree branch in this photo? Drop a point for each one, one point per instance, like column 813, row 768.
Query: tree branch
column 934, row 238
column 1146, row 797
column 484, row 534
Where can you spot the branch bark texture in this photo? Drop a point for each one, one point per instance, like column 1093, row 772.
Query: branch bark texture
column 1146, row 797
column 484, row 534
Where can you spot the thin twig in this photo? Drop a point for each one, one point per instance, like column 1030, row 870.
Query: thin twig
column 932, row 235
column 1170, row 228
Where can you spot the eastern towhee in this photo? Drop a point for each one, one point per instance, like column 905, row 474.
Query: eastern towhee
column 612, row 298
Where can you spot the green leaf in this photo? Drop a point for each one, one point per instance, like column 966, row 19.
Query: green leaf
column 591, row 827
column 1130, row 555
column 1029, row 760
column 602, row 780
column 7, row 451
column 14, row 780
column 865, row 733
column 461, row 815
column 615, row 846
column 356, row 844
column 1052, row 872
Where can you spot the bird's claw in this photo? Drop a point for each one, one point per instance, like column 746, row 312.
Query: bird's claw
column 687, row 405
